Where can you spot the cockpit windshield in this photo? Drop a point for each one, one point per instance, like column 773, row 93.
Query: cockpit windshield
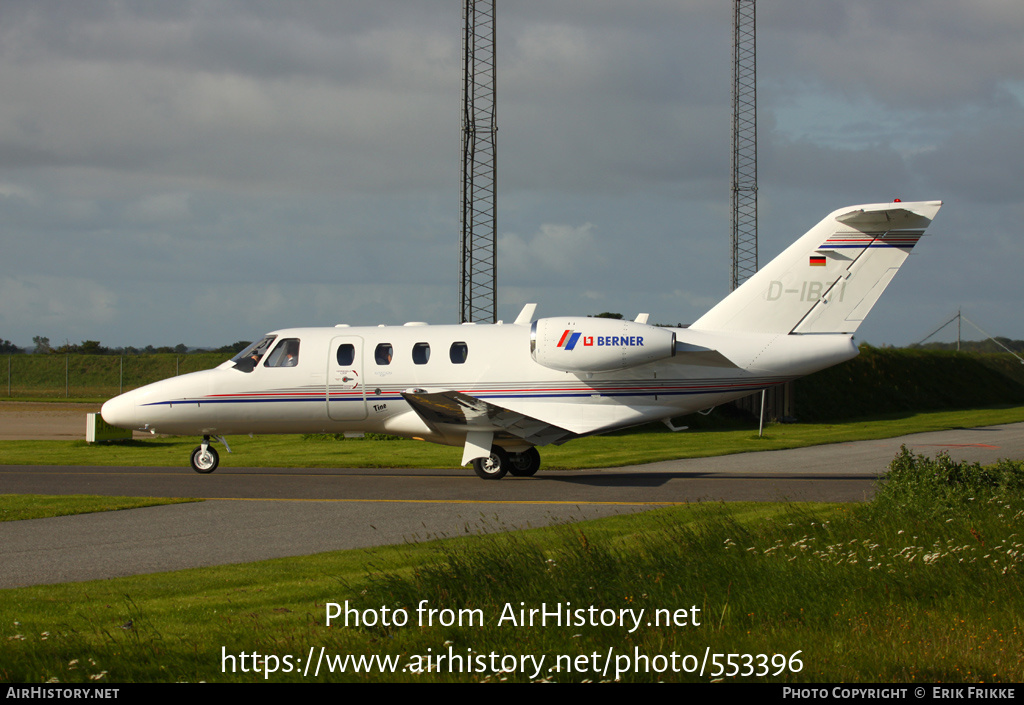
column 247, row 360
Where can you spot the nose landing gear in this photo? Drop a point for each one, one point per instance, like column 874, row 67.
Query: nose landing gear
column 205, row 458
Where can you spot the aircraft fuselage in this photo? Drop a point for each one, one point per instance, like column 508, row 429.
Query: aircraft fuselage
column 363, row 391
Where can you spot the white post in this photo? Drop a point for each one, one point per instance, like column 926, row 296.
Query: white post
column 760, row 426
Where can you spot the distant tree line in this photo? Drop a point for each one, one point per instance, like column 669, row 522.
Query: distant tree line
column 93, row 347
column 619, row 317
column 982, row 346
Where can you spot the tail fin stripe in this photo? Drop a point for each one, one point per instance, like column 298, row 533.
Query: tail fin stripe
column 888, row 239
column 873, row 246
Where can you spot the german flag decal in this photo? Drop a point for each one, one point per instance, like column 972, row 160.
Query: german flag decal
column 817, row 261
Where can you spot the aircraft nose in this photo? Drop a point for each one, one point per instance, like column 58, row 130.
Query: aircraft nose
column 119, row 411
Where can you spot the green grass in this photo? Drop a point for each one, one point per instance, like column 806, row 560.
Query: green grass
column 646, row 445
column 921, row 585
column 14, row 507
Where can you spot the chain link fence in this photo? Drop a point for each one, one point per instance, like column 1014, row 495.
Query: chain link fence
column 95, row 376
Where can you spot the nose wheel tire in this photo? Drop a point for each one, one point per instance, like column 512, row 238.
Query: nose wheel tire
column 493, row 467
column 525, row 464
column 205, row 461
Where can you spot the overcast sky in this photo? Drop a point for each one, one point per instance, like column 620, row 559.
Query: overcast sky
column 201, row 172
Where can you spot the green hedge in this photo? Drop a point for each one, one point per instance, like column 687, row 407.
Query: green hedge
column 893, row 380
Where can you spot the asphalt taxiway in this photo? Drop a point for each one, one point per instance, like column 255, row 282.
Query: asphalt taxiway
column 259, row 513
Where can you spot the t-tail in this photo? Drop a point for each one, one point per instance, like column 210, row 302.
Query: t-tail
column 828, row 280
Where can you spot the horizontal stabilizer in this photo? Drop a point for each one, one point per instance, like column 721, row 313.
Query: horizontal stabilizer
column 888, row 219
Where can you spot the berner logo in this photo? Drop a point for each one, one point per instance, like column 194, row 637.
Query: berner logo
column 570, row 338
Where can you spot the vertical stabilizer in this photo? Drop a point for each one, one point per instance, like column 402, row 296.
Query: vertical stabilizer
column 829, row 279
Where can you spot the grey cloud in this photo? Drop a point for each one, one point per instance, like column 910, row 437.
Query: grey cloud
column 909, row 54
column 312, row 150
column 983, row 161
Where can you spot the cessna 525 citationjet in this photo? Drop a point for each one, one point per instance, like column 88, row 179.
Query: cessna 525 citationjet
column 501, row 390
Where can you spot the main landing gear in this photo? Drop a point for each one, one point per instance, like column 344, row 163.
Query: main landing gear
column 205, row 458
column 501, row 462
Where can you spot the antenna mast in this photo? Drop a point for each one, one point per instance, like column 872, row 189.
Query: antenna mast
column 744, row 143
column 479, row 264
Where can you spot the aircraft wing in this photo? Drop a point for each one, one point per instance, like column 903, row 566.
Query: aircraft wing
column 547, row 417
column 458, row 409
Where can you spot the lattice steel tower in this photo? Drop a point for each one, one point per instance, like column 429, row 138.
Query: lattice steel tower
column 744, row 143
column 479, row 262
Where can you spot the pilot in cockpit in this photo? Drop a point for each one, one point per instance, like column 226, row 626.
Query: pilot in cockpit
column 291, row 354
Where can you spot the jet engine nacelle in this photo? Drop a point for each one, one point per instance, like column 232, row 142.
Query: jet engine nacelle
column 598, row 344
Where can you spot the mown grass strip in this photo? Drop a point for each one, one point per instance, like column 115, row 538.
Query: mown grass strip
column 647, row 445
column 14, row 507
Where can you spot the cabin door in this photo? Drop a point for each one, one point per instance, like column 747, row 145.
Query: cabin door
column 346, row 392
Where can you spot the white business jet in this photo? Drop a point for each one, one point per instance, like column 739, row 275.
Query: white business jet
column 501, row 390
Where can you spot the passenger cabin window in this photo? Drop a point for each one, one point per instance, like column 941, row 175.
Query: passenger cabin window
column 458, row 353
column 346, row 354
column 247, row 360
column 420, row 353
column 383, row 354
column 286, row 354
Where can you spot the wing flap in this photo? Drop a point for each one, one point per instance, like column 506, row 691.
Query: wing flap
column 457, row 409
